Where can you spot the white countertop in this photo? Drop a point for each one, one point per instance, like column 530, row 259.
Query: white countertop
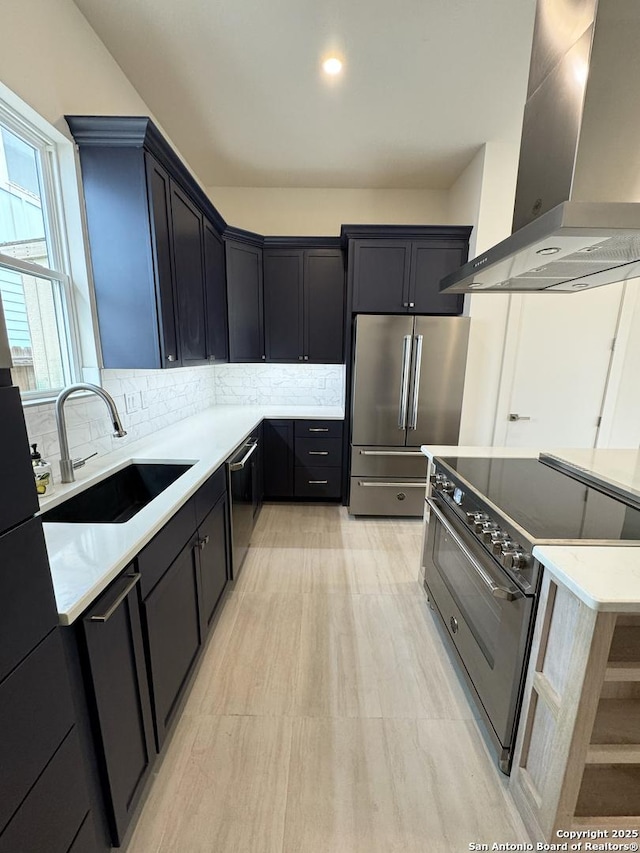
column 604, row 577
column 85, row 558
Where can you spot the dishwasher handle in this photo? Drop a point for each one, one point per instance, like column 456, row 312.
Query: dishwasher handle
column 238, row 466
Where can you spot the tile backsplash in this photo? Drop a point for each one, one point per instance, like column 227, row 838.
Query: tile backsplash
column 149, row 400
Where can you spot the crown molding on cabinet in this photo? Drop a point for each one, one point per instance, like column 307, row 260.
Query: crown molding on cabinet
column 404, row 232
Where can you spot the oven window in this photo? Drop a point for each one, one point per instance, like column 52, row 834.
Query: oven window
column 481, row 611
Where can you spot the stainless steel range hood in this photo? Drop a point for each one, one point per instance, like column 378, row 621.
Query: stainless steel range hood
column 576, row 222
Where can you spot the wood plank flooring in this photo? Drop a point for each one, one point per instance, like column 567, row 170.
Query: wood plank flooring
column 326, row 716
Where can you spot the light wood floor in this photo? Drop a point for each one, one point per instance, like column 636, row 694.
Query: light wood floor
column 326, row 716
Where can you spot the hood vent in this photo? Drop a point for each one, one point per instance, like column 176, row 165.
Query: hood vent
column 576, row 222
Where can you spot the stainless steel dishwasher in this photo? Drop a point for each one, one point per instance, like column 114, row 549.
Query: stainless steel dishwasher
column 243, row 473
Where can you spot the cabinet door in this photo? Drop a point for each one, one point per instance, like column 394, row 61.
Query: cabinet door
column 324, row 296
column 173, row 636
column 215, row 295
column 188, row 261
column 283, row 317
column 429, row 265
column 118, row 684
column 18, row 500
column 381, row 276
column 214, row 560
column 278, row 459
column 158, row 191
column 244, row 298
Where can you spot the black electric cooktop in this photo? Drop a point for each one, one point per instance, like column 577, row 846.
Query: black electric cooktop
column 548, row 504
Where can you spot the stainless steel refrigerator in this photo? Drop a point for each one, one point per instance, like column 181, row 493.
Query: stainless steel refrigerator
column 408, row 379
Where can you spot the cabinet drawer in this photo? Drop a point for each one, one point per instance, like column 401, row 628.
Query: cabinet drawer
column 318, row 452
column 209, row 493
column 318, row 482
column 29, row 608
column 386, row 496
column 49, row 819
column 156, row 557
column 326, row 429
column 36, row 714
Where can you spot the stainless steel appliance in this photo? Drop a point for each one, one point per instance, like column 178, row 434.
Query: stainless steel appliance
column 486, row 516
column 243, row 473
column 408, row 380
column 576, row 222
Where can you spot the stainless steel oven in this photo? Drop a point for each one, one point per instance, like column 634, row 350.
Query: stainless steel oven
column 488, row 618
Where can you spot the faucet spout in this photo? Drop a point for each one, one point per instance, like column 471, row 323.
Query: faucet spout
column 66, row 463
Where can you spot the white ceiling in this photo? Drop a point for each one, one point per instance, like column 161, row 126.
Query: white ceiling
column 238, row 87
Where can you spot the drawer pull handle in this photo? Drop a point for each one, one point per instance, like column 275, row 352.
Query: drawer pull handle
column 377, row 483
column 104, row 617
column 318, row 482
column 391, row 453
column 318, row 429
column 318, row 452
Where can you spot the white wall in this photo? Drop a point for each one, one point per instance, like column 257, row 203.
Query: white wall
column 321, row 212
column 485, row 191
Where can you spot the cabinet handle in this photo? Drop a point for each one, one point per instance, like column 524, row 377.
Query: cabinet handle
column 202, row 543
column 299, row 358
column 318, row 482
column 171, row 358
column 405, row 304
column 263, row 357
column 104, row 617
column 319, row 452
column 306, row 358
column 412, row 305
column 318, row 429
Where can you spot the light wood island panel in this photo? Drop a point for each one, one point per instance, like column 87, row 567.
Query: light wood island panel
column 577, row 757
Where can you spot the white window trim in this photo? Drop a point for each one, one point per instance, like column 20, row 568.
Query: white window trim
column 60, row 194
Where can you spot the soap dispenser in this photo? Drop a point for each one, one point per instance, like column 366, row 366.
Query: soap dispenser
column 43, row 473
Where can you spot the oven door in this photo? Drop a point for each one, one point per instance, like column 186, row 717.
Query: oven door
column 486, row 615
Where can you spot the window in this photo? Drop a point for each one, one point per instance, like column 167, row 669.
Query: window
column 34, row 283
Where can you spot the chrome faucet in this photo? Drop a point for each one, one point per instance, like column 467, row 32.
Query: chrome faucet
column 66, row 463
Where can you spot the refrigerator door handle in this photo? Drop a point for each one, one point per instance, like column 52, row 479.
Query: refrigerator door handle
column 404, row 383
column 415, row 384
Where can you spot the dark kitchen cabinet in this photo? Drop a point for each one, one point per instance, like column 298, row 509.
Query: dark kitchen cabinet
column 188, row 259
column 278, row 458
column 304, row 296
column 117, row 684
column 157, row 295
column 283, row 305
column 18, row 498
column 245, row 301
column 215, row 286
column 302, row 459
column 172, row 621
column 398, row 269
column 214, row 553
column 380, row 270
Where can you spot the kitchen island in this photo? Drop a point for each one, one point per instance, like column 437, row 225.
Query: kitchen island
column 576, row 763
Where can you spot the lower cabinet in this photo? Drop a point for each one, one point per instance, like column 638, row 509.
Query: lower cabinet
column 172, row 625
column 120, row 697
column 213, row 545
column 303, row 459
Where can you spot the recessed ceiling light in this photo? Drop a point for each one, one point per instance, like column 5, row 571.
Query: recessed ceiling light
column 332, row 66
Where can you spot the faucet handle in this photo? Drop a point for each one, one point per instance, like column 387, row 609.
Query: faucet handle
column 78, row 463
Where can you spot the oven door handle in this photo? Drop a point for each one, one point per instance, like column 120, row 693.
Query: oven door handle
column 495, row 590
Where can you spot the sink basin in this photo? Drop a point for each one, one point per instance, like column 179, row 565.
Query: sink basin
column 119, row 497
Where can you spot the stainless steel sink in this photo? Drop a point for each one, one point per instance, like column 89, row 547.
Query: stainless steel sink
column 119, row 497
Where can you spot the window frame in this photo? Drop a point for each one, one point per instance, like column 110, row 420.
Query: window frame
column 56, row 241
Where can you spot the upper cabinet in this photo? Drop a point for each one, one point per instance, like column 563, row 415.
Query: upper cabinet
column 397, row 269
column 244, row 294
column 156, row 251
column 304, row 302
